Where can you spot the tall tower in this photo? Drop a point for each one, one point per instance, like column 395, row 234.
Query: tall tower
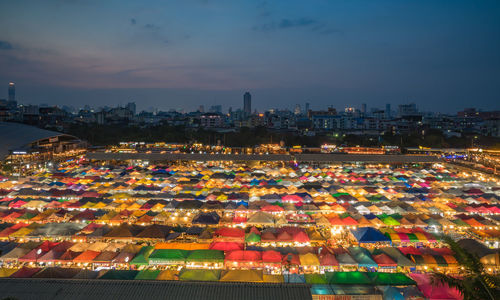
column 247, row 103
column 12, row 91
column 388, row 111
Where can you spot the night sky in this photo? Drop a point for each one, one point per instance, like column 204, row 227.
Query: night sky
column 442, row 55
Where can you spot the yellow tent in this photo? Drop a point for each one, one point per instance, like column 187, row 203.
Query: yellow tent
column 5, row 272
column 308, row 259
column 242, row 275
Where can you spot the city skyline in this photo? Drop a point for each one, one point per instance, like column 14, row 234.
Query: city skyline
column 441, row 56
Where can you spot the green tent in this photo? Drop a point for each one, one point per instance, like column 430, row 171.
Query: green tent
column 390, row 221
column 252, row 238
column 396, row 216
column 413, row 238
column 120, row 274
column 315, row 278
column 168, row 256
column 394, row 279
column 460, row 222
column 347, row 278
column 147, row 275
column 199, row 275
column 142, row 258
column 215, row 256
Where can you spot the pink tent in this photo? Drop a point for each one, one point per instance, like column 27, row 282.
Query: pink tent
column 431, row 291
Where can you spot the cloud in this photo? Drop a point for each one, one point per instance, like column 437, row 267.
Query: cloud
column 4, row 45
column 312, row 24
column 152, row 27
column 133, row 21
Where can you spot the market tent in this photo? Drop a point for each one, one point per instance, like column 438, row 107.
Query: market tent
column 215, row 256
column 315, row 279
column 273, row 278
column 142, row 258
column 363, row 257
column 328, row 259
column 226, row 246
column 25, row 272
column 199, row 275
column 6, row 272
column 261, row 218
column 384, row 260
column 147, row 275
column 309, row 259
column 168, row 275
column 369, row 235
column 57, row 272
column 394, row 279
column 396, row 255
column 120, row 274
column 168, row 256
column 347, row 278
column 86, row 274
column 242, row 275
column 252, row 238
column 294, row 278
column 434, row 291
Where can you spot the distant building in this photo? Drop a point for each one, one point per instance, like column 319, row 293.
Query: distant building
column 297, row 110
column 11, row 101
column 131, row 106
column 211, row 120
column 12, row 91
column 408, row 110
column 388, row 111
column 363, row 108
column 247, row 103
column 216, row 109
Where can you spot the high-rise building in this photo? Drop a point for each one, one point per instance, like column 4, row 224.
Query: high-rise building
column 297, row 110
column 247, row 103
column 12, row 91
column 307, row 107
column 388, row 111
column 131, row 106
column 408, row 110
column 363, row 108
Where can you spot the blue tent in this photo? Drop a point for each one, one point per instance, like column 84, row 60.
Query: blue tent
column 294, row 278
column 369, row 235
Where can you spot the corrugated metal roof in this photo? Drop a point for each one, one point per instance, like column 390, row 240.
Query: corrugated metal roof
column 75, row 289
column 16, row 136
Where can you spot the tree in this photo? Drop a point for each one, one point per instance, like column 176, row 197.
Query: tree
column 473, row 282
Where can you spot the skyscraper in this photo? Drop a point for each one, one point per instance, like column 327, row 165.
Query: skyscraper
column 247, row 103
column 131, row 106
column 12, row 91
column 388, row 111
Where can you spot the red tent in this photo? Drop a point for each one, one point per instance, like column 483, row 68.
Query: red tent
column 271, row 256
column 328, row 260
column 272, row 208
column 25, row 272
column 267, row 236
column 292, row 198
column 230, row 232
column 226, row 246
column 86, row 256
column 301, row 237
column 383, row 260
column 244, row 255
column 254, row 230
column 284, row 237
